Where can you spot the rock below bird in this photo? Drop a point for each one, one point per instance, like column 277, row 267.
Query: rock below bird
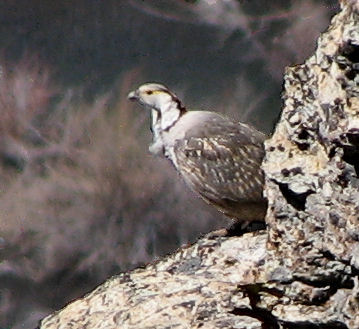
column 219, row 159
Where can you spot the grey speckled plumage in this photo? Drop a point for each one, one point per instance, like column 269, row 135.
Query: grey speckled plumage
column 218, row 158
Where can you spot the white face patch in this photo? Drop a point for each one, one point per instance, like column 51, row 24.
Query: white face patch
column 165, row 110
column 154, row 95
column 159, row 98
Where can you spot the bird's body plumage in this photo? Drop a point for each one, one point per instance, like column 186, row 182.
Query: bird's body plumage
column 218, row 158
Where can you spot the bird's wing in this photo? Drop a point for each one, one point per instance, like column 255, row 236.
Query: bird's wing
column 221, row 161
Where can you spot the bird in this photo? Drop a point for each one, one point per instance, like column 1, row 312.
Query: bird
column 218, row 159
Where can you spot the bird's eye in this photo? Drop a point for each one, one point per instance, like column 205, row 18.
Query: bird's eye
column 149, row 92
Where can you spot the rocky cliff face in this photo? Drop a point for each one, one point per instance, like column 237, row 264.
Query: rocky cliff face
column 312, row 168
column 303, row 271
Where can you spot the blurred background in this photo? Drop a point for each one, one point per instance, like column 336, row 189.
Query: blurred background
column 81, row 198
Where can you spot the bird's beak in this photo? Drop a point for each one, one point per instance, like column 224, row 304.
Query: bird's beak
column 132, row 96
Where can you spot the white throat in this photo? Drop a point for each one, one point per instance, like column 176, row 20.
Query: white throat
column 161, row 121
column 156, row 146
column 170, row 113
column 155, row 124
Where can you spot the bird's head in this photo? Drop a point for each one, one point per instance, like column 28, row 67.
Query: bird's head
column 155, row 96
column 166, row 108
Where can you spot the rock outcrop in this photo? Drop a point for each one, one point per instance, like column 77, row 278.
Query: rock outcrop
column 303, row 271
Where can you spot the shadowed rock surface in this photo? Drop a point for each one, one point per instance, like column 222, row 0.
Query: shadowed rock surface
column 300, row 273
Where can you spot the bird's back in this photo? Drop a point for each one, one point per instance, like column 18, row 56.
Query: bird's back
column 220, row 160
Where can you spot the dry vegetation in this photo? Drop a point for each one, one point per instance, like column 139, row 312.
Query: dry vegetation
column 81, row 198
